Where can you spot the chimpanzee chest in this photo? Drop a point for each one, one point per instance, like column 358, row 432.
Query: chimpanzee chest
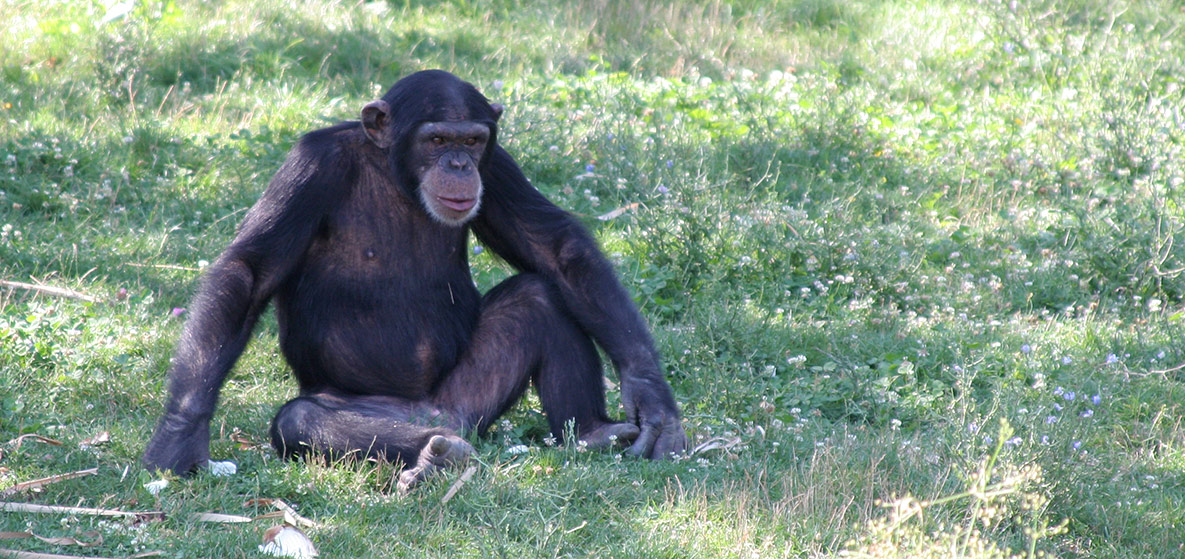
column 383, row 302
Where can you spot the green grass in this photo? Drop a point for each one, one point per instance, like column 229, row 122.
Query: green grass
column 880, row 245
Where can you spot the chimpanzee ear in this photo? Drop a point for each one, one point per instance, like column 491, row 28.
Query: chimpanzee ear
column 498, row 108
column 375, row 123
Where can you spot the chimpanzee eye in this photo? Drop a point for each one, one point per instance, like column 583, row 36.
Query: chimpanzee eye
column 470, row 141
column 438, row 140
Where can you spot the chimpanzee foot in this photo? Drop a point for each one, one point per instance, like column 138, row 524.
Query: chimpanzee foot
column 610, row 435
column 441, row 451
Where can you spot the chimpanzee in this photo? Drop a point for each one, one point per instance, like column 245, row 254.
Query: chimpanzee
column 360, row 239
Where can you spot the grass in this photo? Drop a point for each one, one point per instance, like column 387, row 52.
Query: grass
column 916, row 268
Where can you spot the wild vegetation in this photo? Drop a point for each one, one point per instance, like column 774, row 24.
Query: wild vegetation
column 916, row 268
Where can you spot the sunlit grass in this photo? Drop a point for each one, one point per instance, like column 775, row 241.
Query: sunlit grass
column 865, row 235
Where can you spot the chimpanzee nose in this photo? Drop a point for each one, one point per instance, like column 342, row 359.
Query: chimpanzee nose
column 458, row 164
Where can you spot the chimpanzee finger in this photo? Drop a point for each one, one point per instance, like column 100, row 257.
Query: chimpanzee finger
column 644, row 444
column 671, row 441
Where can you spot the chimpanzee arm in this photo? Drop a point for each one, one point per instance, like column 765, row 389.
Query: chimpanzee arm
column 534, row 235
column 234, row 291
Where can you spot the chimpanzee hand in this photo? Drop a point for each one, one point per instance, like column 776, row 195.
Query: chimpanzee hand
column 178, row 445
column 650, row 405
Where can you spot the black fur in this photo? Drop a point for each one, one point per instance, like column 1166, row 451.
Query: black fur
column 379, row 319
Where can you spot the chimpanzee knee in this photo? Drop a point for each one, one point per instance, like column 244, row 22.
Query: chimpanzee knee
column 290, row 433
column 567, row 373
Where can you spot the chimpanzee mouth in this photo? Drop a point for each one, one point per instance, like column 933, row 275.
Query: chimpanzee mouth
column 457, row 204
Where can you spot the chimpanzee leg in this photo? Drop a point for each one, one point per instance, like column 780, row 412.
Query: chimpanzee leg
column 341, row 425
column 525, row 334
column 336, row 425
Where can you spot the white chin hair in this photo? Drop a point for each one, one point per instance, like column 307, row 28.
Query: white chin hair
column 448, row 216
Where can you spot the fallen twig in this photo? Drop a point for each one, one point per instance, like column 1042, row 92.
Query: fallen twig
column 14, row 554
column 716, row 443
column 49, row 290
column 17, row 442
column 95, row 537
column 615, row 213
column 162, row 267
column 54, row 509
column 1168, row 370
column 36, row 483
column 288, row 513
column 578, row 528
column 31, row 555
column 219, row 518
column 465, row 476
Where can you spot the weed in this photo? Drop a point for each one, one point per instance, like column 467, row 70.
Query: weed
column 862, row 233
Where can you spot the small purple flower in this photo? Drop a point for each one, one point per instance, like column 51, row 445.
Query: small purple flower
column 478, row 249
column 670, row 164
column 662, row 189
column 1045, row 440
column 1026, row 349
column 1096, row 399
column 1013, row 441
column 1069, row 396
column 610, row 136
column 1058, row 391
column 1050, row 420
column 178, row 311
column 1076, row 445
column 1057, row 406
column 589, row 168
column 1066, row 360
column 1087, row 413
column 973, row 427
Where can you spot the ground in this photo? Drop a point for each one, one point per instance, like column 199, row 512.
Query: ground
column 887, row 249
